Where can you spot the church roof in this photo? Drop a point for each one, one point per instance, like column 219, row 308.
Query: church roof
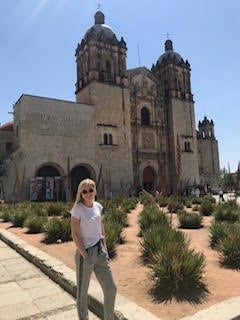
column 170, row 55
column 100, row 29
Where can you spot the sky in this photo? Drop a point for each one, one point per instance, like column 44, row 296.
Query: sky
column 39, row 37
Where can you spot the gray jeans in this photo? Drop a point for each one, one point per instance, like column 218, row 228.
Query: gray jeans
column 97, row 262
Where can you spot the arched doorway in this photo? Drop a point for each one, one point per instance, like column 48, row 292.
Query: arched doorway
column 148, row 179
column 78, row 174
column 47, row 184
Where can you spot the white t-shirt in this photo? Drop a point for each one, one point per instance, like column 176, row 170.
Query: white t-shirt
column 90, row 222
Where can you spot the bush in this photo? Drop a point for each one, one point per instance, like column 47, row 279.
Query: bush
column 177, row 269
column 5, row 214
column 18, row 218
column 229, row 247
column 151, row 215
column 35, row 223
column 189, row 220
column 113, row 234
column 174, row 205
column 55, row 208
column 217, row 231
column 207, row 207
column 57, row 229
column 116, row 215
column 154, row 239
column 228, row 211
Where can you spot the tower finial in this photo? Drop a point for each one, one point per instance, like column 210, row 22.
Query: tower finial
column 99, row 5
column 167, row 36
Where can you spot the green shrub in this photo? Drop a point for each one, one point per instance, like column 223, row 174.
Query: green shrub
column 228, row 211
column 151, row 215
column 175, row 205
column 66, row 230
column 154, row 239
column 196, row 200
column 6, row 215
column 229, row 247
column 57, row 229
column 162, row 201
column 207, row 207
column 217, row 231
column 116, row 215
column 55, row 208
column 114, row 235
column 18, row 218
column 35, row 223
column 177, row 269
column 189, row 220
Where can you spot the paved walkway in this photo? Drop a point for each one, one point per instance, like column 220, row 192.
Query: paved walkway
column 26, row 293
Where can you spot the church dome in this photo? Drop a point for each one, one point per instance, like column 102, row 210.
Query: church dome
column 169, row 55
column 100, row 29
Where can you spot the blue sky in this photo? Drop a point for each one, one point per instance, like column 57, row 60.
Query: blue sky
column 39, row 37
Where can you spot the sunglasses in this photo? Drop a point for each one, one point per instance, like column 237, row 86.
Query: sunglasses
column 87, row 191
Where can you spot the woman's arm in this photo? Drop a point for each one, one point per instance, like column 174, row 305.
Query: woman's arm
column 75, row 229
column 103, row 236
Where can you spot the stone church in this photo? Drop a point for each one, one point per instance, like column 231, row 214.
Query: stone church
column 128, row 129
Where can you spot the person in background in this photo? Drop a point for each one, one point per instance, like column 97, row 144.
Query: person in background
column 91, row 254
column 221, row 197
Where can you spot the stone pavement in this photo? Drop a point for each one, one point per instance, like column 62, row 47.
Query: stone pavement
column 27, row 293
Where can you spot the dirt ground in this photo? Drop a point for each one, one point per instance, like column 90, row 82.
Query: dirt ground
column 133, row 279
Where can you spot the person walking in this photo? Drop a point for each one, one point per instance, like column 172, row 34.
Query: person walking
column 91, row 255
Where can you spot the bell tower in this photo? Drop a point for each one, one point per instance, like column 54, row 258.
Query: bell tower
column 100, row 57
column 174, row 89
column 102, row 83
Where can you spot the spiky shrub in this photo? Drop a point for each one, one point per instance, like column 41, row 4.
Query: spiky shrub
column 128, row 204
column 162, row 201
column 55, row 208
column 196, row 200
column 229, row 247
column 151, row 215
column 35, row 223
column 206, row 207
column 174, row 205
column 66, row 229
column 116, row 215
column 6, row 213
column 189, row 220
column 211, row 199
column 217, row 231
column 154, row 237
column 177, row 269
column 114, row 235
column 57, row 229
column 18, row 217
column 228, row 211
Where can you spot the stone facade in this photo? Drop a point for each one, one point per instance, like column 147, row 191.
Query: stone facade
column 128, row 129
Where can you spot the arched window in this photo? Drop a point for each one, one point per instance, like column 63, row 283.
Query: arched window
column 187, row 146
column 110, row 139
column 105, row 138
column 145, row 117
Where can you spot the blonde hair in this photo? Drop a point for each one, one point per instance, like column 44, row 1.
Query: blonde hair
column 82, row 185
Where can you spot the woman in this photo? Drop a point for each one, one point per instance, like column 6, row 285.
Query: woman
column 91, row 255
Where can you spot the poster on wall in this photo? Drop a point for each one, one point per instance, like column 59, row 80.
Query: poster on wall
column 36, row 189
column 49, row 188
